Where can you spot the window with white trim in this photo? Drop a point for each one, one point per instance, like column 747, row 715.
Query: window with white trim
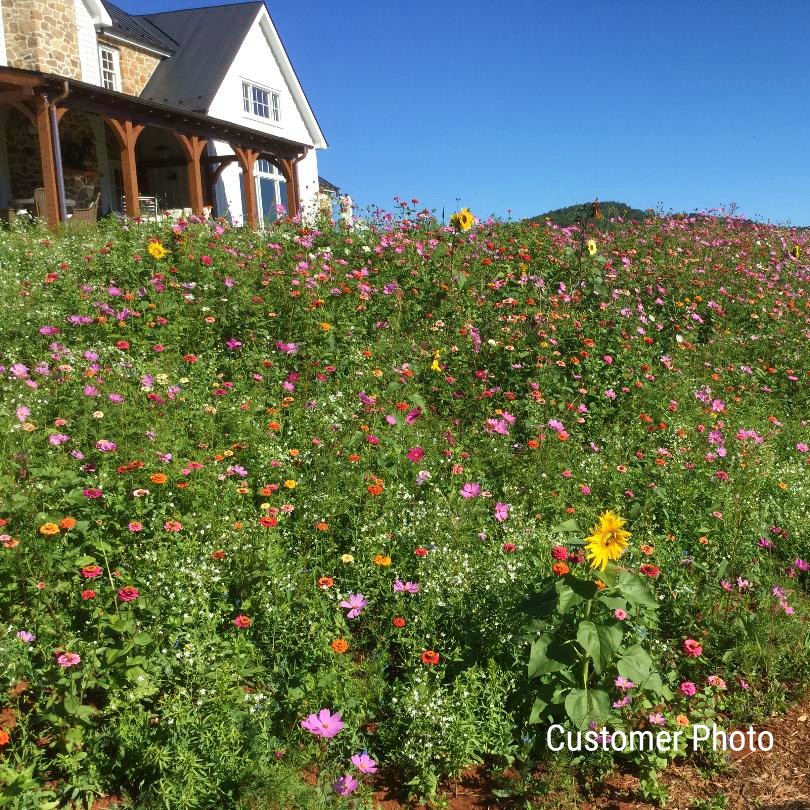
column 260, row 101
column 109, row 65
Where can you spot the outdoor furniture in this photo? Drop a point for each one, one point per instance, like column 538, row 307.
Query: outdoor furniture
column 29, row 203
column 82, row 216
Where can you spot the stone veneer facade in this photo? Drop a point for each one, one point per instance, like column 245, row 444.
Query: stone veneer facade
column 42, row 35
column 136, row 65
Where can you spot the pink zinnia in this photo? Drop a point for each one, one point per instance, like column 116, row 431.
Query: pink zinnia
column 129, row 593
column 324, row 724
column 172, row 525
column 68, row 659
column 688, row 688
column 692, row 649
column 416, row 454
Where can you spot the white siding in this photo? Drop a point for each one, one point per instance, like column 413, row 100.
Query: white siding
column 308, row 183
column 88, row 47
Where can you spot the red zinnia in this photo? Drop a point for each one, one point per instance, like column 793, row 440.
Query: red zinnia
column 242, row 621
column 398, row 622
column 650, row 570
column 430, row 657
column 268, row 521
column 421, row 552
column 88, row 594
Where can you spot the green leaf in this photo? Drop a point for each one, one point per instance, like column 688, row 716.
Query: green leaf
column 600, row 643
column 541, row 605
column 585, row 705
column 635, row 591
column 567, row 526
column 567, row 596
column 634, row 664
column 537, row 656
column 142, row 639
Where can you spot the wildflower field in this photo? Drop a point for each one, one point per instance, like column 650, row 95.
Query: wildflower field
column 289, row 515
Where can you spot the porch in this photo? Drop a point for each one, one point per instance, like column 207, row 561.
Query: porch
column 79, row 143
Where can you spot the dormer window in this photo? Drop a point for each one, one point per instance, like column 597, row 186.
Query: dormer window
column 260, row 101
column 109, row 65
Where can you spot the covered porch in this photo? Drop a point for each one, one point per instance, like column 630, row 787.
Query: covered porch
column 77, row 143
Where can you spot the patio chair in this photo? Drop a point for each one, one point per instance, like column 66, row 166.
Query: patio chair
column 39, row 202
column 82, row 216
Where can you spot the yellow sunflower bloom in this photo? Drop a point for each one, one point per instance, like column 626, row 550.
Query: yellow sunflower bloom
column 156, row 250
column 607, row 541
column 591, row 245
column 434, row 366
column 462, row 220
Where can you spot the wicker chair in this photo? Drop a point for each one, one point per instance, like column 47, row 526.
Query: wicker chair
column 39, row 202
column 83, row 216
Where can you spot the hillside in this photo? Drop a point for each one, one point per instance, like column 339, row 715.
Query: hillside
column 611, row 209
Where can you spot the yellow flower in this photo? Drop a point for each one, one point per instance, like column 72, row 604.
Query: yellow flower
column 462, row 220
column 290, row 483
column 156, row 250
column 49, row 528
column 347, row 558
column 608, row 541
column 591, row 245
column 797, row 251
column 326, row 327
column 382, row 559
column 434, row 366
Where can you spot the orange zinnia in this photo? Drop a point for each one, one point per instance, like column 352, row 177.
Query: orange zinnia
column 49, row 528
column 340, row 645
column 67, row 523
column 158, row 478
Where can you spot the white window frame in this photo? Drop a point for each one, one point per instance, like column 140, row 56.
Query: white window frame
column 273, row 175
column 249, row 102
column 115, row 58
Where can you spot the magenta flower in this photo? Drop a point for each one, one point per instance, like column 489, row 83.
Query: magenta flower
column 364, row 763
column 406, row 587
column 93, row 493
column 68, row 659
column 345, row 786
column 416, row 454
column 470, row 490
column 502, row 511
column 688, row 688
column 324, row 724
column 355, row 602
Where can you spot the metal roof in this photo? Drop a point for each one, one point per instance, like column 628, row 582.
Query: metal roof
column 208, row 40
column 137, row 30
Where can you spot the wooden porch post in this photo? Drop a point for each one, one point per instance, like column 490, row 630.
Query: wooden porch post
column 42, row 119
column 126, row 134
column 193, row 148
column 247, row 160
column 289, row 168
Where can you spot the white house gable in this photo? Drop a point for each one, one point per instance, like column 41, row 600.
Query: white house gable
column 88, row 50
column 260, row 89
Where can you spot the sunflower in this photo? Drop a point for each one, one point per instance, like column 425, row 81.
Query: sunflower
column 608, row 540
column 462, row 220
column 156, row 250
column 591, row 245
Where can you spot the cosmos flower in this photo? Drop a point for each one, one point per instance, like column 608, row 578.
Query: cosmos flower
column 324, row 724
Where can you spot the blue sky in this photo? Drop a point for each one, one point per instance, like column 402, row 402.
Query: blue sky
column 527, row 105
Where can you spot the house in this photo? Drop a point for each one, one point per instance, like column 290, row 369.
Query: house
column 182, row 109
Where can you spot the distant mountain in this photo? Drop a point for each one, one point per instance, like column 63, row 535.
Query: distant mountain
column 569, row 215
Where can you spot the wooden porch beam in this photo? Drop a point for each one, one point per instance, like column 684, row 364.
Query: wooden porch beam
column 11, row 96
column 42, row 119
column 192, row 149
column 126, row 133
column 247, row 160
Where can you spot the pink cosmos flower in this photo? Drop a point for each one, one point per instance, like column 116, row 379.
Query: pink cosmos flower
column 345, row 786
column 623, row 684
column 355, row 602
column 416, row 454
column 657, row 719
column 502, row 511
column 470, row 490
column 68, row 659
column 324, row 724
column 364, row 763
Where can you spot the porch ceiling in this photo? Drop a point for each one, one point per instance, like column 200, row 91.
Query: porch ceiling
column 90, row 98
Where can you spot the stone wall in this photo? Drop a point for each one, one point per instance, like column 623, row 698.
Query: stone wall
column 25, row 171
column 42, row 35
column 137, row 66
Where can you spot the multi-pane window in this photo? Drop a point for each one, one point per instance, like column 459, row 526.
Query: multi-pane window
column 260, row 101
column 108, row 63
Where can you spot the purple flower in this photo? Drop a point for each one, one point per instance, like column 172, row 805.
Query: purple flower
column 406, row 587
column 470, row 490
column 345, row 786
column 106, row 446
column 26, row 637
column 364, row 763
column 233, row 344
column 355, row 602
column 286, row 348
column 323, row 724
column 801, row 565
